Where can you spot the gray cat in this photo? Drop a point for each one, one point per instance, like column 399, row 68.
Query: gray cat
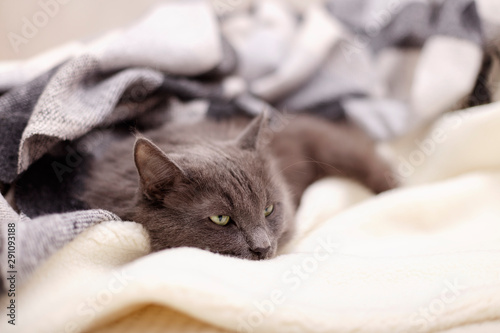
column 229, row 187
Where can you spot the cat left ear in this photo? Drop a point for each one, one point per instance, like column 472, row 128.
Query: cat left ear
column 157, row 172
column 249, row 139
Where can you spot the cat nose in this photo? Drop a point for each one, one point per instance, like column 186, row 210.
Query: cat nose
column 261, row 252
column 260, row 243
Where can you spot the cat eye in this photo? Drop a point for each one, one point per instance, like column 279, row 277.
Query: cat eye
column 268, row 210
column 220, row 219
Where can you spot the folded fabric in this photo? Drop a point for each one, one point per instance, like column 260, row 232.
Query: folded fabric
column 180, row 38
column 51, row 233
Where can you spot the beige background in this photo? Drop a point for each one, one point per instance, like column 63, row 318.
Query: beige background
column 78, row 19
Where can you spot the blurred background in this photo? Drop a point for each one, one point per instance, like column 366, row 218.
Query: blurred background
column 81, row 20
column 84, row 20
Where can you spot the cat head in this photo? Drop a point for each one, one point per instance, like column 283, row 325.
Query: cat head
column 223, row 196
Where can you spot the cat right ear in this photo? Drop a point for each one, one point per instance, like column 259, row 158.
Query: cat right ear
column 157, row 172
column 252, row 135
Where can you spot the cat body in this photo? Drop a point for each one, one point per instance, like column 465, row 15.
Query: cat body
column 229, row 186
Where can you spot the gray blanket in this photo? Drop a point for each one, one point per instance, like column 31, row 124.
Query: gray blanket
column 374, row 63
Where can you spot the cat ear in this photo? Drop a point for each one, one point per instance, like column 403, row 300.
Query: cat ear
column 157, row 172
column 249, row 139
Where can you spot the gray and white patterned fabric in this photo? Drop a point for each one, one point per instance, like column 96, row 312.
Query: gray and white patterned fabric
column 386, row 65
